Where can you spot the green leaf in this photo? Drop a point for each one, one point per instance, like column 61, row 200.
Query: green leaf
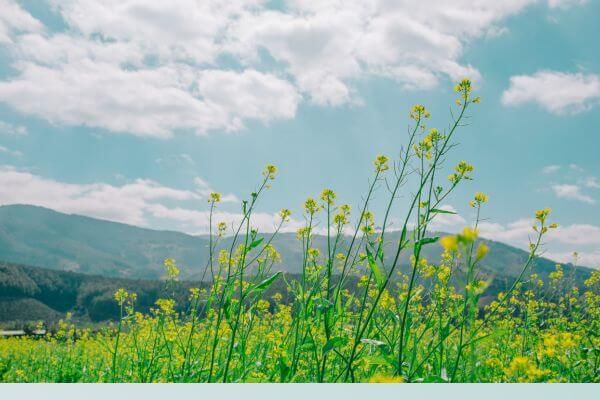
column 425, row 241
column 380, row 253
column 440, row 211
column 264, row 284
column 255, row 243
column 403, row 240
column 333, row 343
column 284, row 369
column 375, row 268
column 307, row 347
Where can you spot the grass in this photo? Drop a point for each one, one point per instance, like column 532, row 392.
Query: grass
column 425, row 326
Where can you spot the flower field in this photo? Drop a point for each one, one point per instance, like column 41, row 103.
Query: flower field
column 429, row 325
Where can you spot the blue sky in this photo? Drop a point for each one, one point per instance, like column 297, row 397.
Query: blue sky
column 134, row 112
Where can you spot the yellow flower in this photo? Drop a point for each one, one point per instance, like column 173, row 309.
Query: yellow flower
column 542, row 214
column 557, row 274
column 223, row 257
column 468, row 234
column 328, row 196
column 313, row 253
column 311, row 206
column 463, row 87
column 194, row 293
column 482, row 251
column 214, row 197
column 270, row 171
column 419, row 111
column 171, row 268
column 449, row 243
column 381, row 163
column 369, row 223
column 285, row 214
column 302, row 232
column 166, row 306
column 121, row 296
column 463, row 168
column 383, row 378
column 481, row 198
column 522, row 369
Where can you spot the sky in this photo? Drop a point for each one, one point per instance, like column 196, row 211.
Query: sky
column 134, row 111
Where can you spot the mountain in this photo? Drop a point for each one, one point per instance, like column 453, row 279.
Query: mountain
column 30, row 294
column 85, row 260
column 41, row 237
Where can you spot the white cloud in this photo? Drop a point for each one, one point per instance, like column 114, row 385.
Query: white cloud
column 577, row 234
column 559, row 244
column 176, row 160
column 557, row 92
column 550, row 169
column 12, row 130
column 565, row 3
column 10, row 152
column 194, row 221
column 516, row 233
column 153, row 68
column 588, row 259
column 591, row 182
column 185, row 30
column 148, row 102
column 205, row 190
column 575, row 167
column 14, row 20
column 443, row 222
column 130, row 202
column 572, row 192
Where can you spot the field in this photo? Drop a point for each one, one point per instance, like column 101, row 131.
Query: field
column 430, row 325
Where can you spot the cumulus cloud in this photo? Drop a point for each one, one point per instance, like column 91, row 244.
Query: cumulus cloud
column 194, row 221
column 559, row 244
column 550, row 169
column 589, row 259
column 565, row 3
column 572, row 192
column 443, row 222
column 12, row 130
column 591, row 182
column 14, row 20
column 148, row 102
column 557, row 92
column 129, row 203
column 155, row 68
column 516, row 233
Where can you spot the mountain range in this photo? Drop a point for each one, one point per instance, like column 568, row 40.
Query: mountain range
column 42, row 237
column 52, row 263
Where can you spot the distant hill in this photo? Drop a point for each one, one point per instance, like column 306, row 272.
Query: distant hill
column 38, row 236
column 32, row 294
